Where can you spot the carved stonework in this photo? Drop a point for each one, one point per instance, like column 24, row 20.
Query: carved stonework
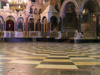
column 79, row 2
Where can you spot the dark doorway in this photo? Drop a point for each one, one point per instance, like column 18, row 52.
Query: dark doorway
column 9, row 25
column 31, row 24
column 89, row 11
column 53, row 21
column 70, row 19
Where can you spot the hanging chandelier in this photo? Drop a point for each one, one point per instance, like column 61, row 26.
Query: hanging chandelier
column 17, row 5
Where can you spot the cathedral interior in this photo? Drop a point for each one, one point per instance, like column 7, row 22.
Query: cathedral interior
column 49, row 37
column 58, row 19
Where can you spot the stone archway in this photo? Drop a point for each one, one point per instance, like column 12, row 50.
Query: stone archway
column 44, row 21
column 64, row 5
column 89, row 10
column 9, row 25
column 94, row 1
column 10, row 22
column 70, row 16
column 54, row 24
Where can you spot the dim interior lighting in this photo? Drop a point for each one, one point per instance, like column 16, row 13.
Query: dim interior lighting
column 93, row 15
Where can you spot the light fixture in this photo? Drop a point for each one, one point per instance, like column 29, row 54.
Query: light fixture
column 84, row 11
column 17, row 5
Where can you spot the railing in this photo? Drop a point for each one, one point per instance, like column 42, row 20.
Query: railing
column 9, row 34
column 30, row 34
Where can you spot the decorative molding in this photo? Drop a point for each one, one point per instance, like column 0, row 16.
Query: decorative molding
column 64, row 4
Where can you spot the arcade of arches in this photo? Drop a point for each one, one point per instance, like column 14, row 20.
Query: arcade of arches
column 82, row 16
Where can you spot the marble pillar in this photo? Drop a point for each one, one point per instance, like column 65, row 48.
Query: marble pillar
column 41, row 29
column 62, row 25
column 79, row 24
column 48, row 29
column 26, row 26
column 97, row 25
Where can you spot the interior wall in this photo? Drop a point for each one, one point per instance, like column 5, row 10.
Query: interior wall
column 0, row 4
column 54, row 2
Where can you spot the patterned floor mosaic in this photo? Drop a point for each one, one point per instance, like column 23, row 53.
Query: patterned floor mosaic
column 49, row 59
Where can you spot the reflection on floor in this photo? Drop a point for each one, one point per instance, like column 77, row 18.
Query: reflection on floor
column 49, row 59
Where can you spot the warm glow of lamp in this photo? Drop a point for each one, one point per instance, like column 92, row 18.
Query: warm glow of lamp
column 84, row 11
column 17, row 1
column 17, row 4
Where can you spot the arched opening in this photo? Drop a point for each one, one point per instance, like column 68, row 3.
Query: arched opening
column 31, row 9
column 31, row 24
column 88, row 16
column 56, row 7
column 10, row 22
column 89, row 11
column 53, row 23
column 2, row 27
column 70, row 18
column 38, row 25
column 9, row 25
column 35, row 11
column 44, row 21
column 20, row 24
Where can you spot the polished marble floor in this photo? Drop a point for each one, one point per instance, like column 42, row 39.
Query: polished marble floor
column 49, row 58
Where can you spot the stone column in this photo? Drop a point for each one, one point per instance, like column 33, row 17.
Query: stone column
column 58, row 27
column 97, row 24
column 79, row 14
column 79, row 24
column 48, row 24
column 26, row 26
column 62, row 24
column 41, row 29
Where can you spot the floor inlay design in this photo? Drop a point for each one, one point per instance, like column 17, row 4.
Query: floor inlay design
column 49, row 59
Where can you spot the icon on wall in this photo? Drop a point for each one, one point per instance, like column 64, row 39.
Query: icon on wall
column 20, row 24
